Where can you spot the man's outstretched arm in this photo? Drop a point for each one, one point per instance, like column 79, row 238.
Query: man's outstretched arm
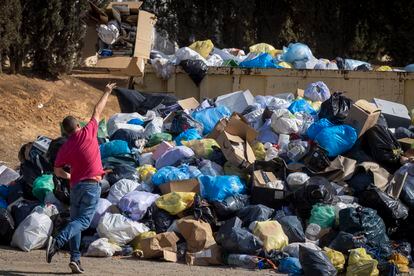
column 99, row 107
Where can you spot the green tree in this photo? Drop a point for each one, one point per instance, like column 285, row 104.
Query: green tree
column 10, row 17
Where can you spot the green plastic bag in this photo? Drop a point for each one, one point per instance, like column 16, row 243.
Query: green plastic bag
column 42, row 186
column 102, row 130
column 323, row 215
column 158, row 138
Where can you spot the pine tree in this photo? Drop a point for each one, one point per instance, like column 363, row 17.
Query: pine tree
column 10, row 17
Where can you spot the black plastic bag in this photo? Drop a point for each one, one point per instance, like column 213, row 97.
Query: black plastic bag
column 336, row 108
column 316, row 160
column 196, row 69
column 389, row 209
column 182, row 122
column 361, row 180
column 384, row 148
column 127, row 135
column 30, row 172
column 21, row 210
column 62, row 189
column 344, row 241
column 157, row 219
column 119, row 160
column 317, row 189
column 203, row 211
column 365, row 221
column 122, row 172
column 235, row 239
column 133, row 101
column 252, row 213
column 315, row 262
column 53, row 149
column 228, row 207
column 293, row 228
column 7, row 227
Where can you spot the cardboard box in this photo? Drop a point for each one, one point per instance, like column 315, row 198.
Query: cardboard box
column 235, row 138
column 163, row 245
column 396, row 114
column 135, row 65
column 190, row 185
column 362, row 116
column 210, row 256
column 406, row 143
column 189, row 103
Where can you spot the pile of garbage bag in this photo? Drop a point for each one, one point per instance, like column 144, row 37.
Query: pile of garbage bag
column 197, row 57
column 313, row 184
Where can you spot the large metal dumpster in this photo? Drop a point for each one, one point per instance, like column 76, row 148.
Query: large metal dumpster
column 393, row 86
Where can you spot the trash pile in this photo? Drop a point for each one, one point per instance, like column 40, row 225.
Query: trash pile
column 197, row 57
column 311, row 183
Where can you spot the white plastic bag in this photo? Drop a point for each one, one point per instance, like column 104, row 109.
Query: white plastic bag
column 284, row 122
column 136, row 203
column 121, row 188
column 296, row 180
column 119, row 229
column 163, row 68
column 33, row 232
column 119, row 121
column 214, row 60
column 102, row 248
column 153, row 127
column 186, row 53
column 101, row 207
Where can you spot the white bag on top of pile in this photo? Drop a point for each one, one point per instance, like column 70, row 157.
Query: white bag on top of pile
column 226, row 55
column 135, row 204
column 120, row 120
column 186, row 53
column 102, row 248
column 121, row 188
column 284, row 122
column 317, row 91
column 33, row 232
column 236, row 101
column 153, row 127
column 101, row 207
column 119, row 229
column 214, row 60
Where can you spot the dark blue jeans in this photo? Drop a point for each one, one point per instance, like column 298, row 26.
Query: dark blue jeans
column 83, row 199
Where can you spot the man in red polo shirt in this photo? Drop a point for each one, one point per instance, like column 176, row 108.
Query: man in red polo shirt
column 81, row 153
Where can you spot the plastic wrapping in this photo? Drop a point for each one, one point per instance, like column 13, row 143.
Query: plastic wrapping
column 175, row 202
column 337, row 139
column 135, row 204
column 121, row 188
column 102, row 248
column 292, row 228
column 272, row 235
column 114, row 148
column 317, row 91
column 253, row 213
column 315, row 262
column 220, row 187
column 336, row 108
column 209, row 117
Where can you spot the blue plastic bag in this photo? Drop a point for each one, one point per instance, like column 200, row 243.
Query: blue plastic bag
column 296, row 52
column 337, row 139
column 3, row 203
column 409, row 68
column 4, row 191
column 209, row 117
column 317, row 91
column 290, row 266
column 301, row 105
column 191, row 171
column 136, row 121
column 316, row 127
column 114, row 148
column 261, row 61
column 218, row 188
column 168, row 174
column 188, row 135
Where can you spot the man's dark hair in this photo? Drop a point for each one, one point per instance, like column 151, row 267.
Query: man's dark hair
column 70, row 125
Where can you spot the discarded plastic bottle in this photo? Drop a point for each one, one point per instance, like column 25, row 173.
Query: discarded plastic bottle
column 245, row 261
column 312, row 232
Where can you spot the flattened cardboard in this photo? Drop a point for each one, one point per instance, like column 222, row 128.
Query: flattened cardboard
column 210, row 256
column 145, row 30
column 189, row 103
column 362, row 116
column 190, row 185
column 198, row 234
column 163, row 245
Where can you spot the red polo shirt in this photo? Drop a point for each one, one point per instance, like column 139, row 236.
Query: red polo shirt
column 81, row 153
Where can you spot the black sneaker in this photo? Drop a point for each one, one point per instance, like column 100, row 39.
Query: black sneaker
column 51, row 249
column 76, row 267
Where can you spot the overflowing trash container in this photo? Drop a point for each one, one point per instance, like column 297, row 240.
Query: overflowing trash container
column 312, row 184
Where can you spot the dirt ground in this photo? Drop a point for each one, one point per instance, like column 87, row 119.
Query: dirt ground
column 30, row 107
column 14, row 263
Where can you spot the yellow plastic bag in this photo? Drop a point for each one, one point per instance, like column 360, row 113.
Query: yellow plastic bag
column 361, row 264
column 135, row 243
column 259, row 151
column 384, row 68
column 202, row 47
column 264, row 48
column 285, row 64
column 336, row 257
column 175, row 202
column 202, row 148
column 272, row 235
column 146, row 172
column 401, row 261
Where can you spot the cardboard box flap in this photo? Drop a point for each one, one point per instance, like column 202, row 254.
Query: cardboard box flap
column 121, row 6
column 145, row 30
column 189, row 103
column 113, row 62
column 367, row 106
column 234, row 138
